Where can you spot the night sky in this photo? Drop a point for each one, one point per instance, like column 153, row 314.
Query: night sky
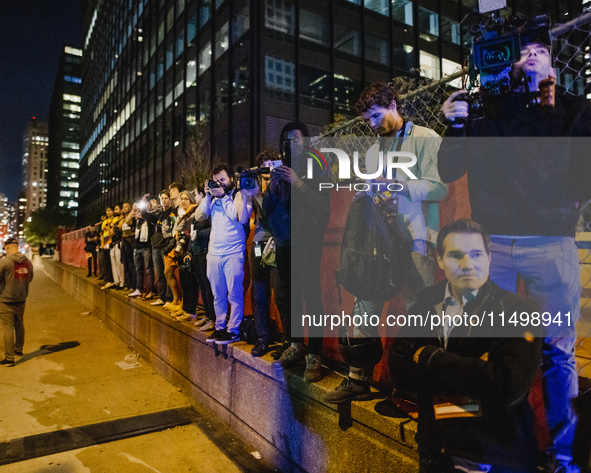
column 32, row 36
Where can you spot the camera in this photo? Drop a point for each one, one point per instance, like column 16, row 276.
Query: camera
column 475, row 106
column 248, row 178
column 213, row 184
column 181, row 244
column 496, row 46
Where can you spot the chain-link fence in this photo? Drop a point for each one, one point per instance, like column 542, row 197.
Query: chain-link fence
column 421, row 103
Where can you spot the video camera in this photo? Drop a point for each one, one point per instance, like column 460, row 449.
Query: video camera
column 496, row 46
column 248, row 176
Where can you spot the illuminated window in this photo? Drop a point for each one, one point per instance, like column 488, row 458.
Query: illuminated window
column 73, row 51
column 72, row 98
column 72, row 107
column 76, row 80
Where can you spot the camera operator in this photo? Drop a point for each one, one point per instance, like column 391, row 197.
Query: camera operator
column 525, row 193
column 298, row 229
column 230, row 211
column 261, row 274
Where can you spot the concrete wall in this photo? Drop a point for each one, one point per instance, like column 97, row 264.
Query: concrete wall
column 282, row 416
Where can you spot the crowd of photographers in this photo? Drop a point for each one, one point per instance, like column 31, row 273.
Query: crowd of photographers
column 173, row 247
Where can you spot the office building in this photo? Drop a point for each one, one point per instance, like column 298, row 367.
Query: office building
column 35, row 141
column 64, row 133
column 153, row 69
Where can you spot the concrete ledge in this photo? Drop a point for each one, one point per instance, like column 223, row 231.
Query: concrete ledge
column 276, row 411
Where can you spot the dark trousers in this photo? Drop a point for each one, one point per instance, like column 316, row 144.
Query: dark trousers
column 190, row 289
column 298, row 289
column 105, row 264
column 199, row 263
column 92, row 263
column 261, row 278
column 143, row 264
column 127, row 259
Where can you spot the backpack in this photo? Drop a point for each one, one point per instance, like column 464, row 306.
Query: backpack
column 248, row 331
column 373, row 253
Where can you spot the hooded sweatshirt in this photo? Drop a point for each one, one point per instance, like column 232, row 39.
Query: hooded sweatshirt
column 16, row 272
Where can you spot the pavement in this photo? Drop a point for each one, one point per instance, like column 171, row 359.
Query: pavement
column 68, row 407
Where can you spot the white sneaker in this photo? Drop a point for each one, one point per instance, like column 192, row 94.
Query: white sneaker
column 185, row 318
column 136, row 293
column 108, row 285
column 167, row 305
column 209, row 325
column 158, row 302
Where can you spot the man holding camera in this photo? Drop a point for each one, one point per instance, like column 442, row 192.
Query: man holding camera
column 230, row 211
column 416, row 214
column 525, row 192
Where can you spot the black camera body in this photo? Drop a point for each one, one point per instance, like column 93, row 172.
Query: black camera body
column 248, row 178
column 213, row 184
column 496, row 46
column 475, row 107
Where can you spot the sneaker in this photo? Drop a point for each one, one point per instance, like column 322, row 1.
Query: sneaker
column 18, row 353
column 177, row 313
column 172, row 308
column 277, row 353
column 313, row 371
column 158, row 302
column 136, row 293
column 6, row 362
column 209, row 325
column 349, row 390
column 167, row 305
column 291, row 357
column 216, row 334
column 108, row 285
column 260, row 348
column 185, row 318
column 148, row 296
column 228, row 338
column 561, row 465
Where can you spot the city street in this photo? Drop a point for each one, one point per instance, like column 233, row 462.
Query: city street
column 67, row 395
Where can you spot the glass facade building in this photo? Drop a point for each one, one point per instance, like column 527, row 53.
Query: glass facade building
column 153, row 69
column 64, row 133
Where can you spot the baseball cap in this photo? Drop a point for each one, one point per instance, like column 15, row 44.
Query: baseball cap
column 11, row 241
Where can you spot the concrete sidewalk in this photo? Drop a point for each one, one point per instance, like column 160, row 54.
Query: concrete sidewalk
column 68, row 378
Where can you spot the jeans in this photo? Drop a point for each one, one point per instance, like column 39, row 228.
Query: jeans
column 164, row 292
column 549, row 268
column 199, row 264
column 116, row 265
column 226, row 274
column 11, row 316
column 419, row 275
column 142, row 258
column 128, row 261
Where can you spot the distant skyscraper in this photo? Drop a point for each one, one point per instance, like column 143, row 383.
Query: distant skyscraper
column 64, row 133
column 35, row 141
column 21, row 209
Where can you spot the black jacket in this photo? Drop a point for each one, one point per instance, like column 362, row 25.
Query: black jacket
column 299, row 216
column 523, row 178
column 504, row 435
